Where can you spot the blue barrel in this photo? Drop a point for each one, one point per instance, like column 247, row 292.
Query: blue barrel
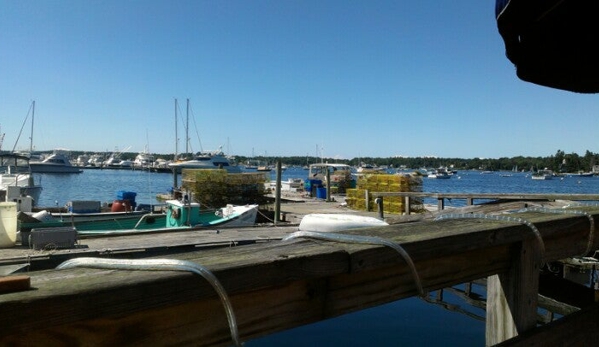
column 311, row 185
column 321, row 193
column 124, row 195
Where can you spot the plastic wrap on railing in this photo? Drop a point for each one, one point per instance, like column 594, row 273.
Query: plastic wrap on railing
column 161, row 265
column 570, row 212
column 501, row 219
column 369, row 240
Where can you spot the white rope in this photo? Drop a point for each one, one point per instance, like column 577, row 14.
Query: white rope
column 369, row 240
column 161, row 265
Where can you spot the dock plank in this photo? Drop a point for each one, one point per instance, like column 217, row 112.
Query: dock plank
column 143, row 245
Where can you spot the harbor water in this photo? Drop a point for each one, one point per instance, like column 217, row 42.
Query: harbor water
column 408, row 322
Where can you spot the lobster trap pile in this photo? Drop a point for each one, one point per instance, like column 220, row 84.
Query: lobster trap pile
column 217, row 188
column 356, row 198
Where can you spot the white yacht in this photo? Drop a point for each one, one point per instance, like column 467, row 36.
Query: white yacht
column 58, row 162
column 207, row 160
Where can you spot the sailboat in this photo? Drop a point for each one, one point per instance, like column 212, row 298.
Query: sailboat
column 203, row 159
column 16, row 180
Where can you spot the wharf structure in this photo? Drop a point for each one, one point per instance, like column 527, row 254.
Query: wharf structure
column 273, row 284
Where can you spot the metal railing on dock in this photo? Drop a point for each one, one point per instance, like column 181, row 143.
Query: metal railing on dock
column 471, row 197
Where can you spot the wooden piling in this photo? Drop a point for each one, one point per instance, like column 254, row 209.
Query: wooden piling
column 278, row 194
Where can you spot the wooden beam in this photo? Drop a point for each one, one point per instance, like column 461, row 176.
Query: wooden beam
column 512, row 296
column 578, row 329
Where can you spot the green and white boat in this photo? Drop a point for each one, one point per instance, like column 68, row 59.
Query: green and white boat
column 175, row 216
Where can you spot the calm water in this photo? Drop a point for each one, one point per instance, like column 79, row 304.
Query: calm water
column 102, row 185
column 408, row 322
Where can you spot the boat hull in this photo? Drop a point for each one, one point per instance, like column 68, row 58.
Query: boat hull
column 321, row 222
column 45, row 168
column 136, row 222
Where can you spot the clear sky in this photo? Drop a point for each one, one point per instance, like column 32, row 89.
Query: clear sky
column 283, row 77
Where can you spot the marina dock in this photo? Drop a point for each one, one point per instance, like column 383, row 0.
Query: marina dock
column 273, row 285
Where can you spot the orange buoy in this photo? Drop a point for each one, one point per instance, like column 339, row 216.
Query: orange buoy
column 120, row 206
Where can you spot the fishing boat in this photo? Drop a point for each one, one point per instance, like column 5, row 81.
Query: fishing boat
column 581, row 174
column 15, row 172
column 174, row 215
column 440, row 173
column 339, row 174
column 545, row 174
column 58, row 162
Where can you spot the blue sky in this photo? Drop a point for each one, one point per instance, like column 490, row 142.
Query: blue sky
column 335, row 78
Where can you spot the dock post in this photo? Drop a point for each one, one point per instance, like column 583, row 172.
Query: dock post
column 328, row 176
column 512, row 296
column 278, row 194
column 470, row 201
column 440, row 204
column 379, row 205
column 366, row 198
column 175, row 183
column 407, row 205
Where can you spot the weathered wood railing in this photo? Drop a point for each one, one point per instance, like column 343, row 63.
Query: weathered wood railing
column 279, row 285
column 471, row 197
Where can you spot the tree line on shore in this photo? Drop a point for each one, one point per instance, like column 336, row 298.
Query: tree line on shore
column 560, row 162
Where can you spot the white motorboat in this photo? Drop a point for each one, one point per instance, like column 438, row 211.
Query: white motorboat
column 543, row 175
column 95, row 160
column 143, row 160
column 207, row 160
column 440, row 173
column 58, row 162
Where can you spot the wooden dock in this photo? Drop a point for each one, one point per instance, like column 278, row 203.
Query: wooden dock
column 274, row 285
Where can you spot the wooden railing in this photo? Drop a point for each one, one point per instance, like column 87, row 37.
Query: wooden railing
column 471, row 197
column 279, row 285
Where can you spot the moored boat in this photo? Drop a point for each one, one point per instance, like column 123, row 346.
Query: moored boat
column 175, row 215
column 440, row 173
column 15, row 172
column 543, row 175
column 207, row 160
column 58, row 162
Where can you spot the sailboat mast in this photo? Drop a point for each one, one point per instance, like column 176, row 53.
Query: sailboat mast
column 176, row 133
column 187, row 129
column 32, row 119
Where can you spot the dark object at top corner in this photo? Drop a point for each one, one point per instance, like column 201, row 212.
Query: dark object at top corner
column 554, row 43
